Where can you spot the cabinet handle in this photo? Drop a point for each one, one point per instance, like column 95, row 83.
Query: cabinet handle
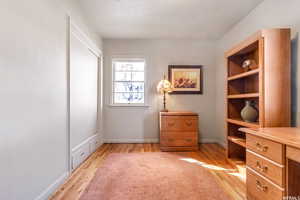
column 261, row 187
column 188, row 123
column 260, row 167
column 260, row 147
column 188, row 140
column 170, row 140
column 82, row 154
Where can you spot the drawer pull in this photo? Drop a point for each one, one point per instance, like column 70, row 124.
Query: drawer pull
column 261, row 168
column 261, row 187
column 188, row 123
column 171, row 124
column 260, row 147
column 188, row 140
column 170, row 140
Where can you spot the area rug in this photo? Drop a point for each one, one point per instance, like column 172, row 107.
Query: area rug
column 152, row 176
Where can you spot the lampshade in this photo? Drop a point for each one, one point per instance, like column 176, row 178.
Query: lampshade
column 164, row 86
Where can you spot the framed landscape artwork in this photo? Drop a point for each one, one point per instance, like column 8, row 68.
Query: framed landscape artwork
column 186, row 79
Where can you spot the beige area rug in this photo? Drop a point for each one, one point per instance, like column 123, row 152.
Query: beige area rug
column 152, row 176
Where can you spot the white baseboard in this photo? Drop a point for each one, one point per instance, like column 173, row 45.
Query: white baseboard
column 153, row 140
column 223, row 144
column 211, row 140
column 208, row 140
column 53, row 187
column 86, row 141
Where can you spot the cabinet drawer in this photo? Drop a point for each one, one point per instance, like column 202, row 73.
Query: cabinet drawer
column 80, row 155
column 176, row 141
column 179, row 123
column 272, row 150
column 270, row 170
column 259, row 188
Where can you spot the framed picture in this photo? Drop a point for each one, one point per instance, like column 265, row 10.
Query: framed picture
column 186, row 79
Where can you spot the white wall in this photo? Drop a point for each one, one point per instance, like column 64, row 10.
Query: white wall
column 141, row 124
column 33, row 93
column 83, row 92
column 269, row 14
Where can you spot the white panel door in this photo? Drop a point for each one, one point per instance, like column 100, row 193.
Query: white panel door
column 83, row 92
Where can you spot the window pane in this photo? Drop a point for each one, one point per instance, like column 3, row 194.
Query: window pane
column 129, row 87
column 129, row 66
column 138, row 76
column 129, row 97
column 138, row 66
column 123, row 76
column 123, row 66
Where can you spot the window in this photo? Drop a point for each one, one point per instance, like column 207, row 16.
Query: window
column 128, row 81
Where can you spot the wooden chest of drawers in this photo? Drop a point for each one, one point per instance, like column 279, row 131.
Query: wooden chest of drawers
column 178, row 131
column 265, row 168
column 273, row 163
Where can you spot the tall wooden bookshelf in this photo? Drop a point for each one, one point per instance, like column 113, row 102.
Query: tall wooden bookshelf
column 267, row 84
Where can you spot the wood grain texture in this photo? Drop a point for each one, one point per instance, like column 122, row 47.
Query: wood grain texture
column 178, row 130
column 267, row 83
column 267, row 148
column 211, row 156
column 277, row 77
column 243, row 96
column 259, row 188
column 293, row 177
column 293, row 171
column 242, row 123
column 286, row 135
column 266, row 168
column 293, row 153
column 185, row 113
column 243, row 75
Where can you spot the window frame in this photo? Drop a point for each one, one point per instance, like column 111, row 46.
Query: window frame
column 128, row 59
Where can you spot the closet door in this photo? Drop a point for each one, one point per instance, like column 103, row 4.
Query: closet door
column 83, row 92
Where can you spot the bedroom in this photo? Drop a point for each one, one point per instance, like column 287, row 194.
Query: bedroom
column 82, row 79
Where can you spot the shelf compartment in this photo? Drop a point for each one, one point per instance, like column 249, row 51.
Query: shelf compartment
column 235, row 61
column 240, row 122
column 236, row 105
column 237, row 140
column 243, row 96
column 249, row 84
column 243, row 75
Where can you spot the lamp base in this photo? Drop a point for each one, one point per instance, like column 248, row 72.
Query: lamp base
column 164, row 110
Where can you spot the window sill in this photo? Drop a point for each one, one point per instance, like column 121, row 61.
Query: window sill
column 129, row 105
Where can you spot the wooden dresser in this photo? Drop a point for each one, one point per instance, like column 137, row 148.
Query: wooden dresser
column 273, row 163
column 178, row 131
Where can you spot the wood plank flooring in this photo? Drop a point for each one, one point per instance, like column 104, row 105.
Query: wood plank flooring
column 230, row 176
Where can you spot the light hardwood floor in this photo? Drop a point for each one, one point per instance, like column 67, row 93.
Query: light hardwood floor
column 211, row 156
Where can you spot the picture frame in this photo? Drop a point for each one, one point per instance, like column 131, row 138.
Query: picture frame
column 186, row 79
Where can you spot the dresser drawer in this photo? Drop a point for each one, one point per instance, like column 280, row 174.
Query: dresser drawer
column 175, row 140
column 259, row 188
column 179, row 123
column 266, row 168
column 272, row 150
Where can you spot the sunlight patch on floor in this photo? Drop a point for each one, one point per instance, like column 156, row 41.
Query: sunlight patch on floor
column 203, row 164
column 233, row 172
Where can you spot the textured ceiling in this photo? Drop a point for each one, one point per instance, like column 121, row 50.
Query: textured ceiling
column 165, row 19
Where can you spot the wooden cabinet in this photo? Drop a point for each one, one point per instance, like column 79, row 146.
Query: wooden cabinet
column 265, row 168
column 266, row 83
column 178, row 131
column 273, row 163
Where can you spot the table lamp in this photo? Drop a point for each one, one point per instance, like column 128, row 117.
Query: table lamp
column 163, row 87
